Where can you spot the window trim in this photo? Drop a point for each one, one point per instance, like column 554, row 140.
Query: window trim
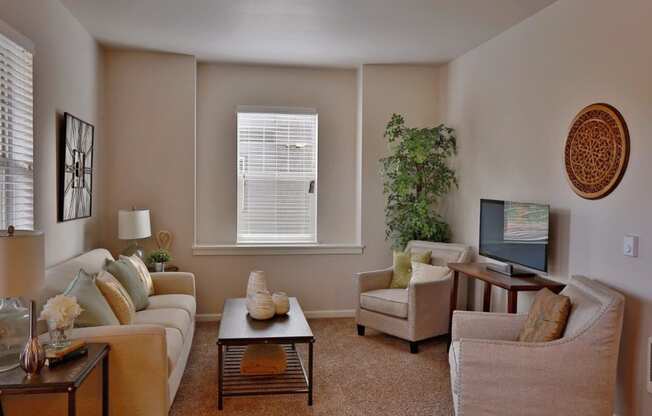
column 274, row 249
column 275, row 245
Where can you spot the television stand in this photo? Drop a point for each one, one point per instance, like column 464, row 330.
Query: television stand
column 509, row 270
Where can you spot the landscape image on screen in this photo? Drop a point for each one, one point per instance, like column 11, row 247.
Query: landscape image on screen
column 525, row 222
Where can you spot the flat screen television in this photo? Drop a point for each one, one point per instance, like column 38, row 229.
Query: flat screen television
column 515, row 233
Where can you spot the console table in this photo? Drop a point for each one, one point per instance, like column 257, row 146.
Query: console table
column 512, row 285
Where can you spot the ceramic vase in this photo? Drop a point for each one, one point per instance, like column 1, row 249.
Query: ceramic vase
column 261, row 306
column 281, row 303
column 257, row 283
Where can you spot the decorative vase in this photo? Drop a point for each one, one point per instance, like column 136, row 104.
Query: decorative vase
column 261, row 306
column 59, row 334
column 257, row 283
column 281, row 303
column 32, row 358
column 159, row 267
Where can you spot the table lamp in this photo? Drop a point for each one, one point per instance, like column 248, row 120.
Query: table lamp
column 22, row 274
column 134, row 225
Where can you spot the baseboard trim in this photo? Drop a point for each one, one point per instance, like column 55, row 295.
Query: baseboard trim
column 339, row 313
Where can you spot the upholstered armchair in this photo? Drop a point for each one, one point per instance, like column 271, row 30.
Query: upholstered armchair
column 493, row 374
column 419, row 312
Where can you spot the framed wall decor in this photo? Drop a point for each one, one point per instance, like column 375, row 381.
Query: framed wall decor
column 597, row 151
column 76, row 169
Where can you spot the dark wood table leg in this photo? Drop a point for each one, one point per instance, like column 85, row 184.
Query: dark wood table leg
column 72, row 405
column 310, row 365
column 105, row 385
column 512, row 301
column 452, row 305
column 220, row 376
column 486, row 301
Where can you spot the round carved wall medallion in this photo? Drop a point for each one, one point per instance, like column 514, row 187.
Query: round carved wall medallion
column 597, row 151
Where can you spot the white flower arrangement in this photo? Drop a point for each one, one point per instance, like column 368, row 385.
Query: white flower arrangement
column 61, row 310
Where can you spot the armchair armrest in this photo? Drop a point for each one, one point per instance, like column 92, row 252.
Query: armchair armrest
column 428, row 306
column 559, row 377
column 167, row 283
column 374, row 280
column 485, row 325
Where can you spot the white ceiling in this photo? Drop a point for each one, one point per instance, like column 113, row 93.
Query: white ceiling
column 303, row 32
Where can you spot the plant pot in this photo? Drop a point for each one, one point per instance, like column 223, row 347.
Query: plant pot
column 60, row 334
column 159, row 267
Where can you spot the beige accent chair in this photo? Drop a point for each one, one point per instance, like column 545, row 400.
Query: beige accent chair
column 419, row 312
column 493, row 374
column 147, row 358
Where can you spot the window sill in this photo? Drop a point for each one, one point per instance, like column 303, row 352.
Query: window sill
column 274, row 250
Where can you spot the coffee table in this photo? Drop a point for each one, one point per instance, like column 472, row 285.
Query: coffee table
column 238, row 329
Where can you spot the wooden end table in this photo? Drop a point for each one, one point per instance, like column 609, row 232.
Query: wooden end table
column 238, row 329
column 512, row 285
column 65, row 378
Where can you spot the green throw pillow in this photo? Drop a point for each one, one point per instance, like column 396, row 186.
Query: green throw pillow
column 403, row 267
column 128, row 277
column 95, row 309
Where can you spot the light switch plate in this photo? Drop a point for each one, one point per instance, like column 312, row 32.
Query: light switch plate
column 630, row 245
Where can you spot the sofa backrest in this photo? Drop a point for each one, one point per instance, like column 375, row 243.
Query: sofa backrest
column 442, row 253
column 57, row 278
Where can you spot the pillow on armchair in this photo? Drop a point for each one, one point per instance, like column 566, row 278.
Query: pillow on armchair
column 547, row 318
column 403, row 267
column 422, row 272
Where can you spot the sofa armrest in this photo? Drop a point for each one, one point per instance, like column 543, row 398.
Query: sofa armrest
column 485, row 325
column 168, row 283
column 373, row 280
column 138, row 375
column 558, row 377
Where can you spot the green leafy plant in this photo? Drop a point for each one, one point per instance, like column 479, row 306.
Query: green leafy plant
column 159, row 256
column 415, row 177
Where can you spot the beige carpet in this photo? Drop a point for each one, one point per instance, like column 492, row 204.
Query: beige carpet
column 371, row 375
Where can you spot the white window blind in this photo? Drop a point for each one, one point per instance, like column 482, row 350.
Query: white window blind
column 277, row 176
column 16, row 136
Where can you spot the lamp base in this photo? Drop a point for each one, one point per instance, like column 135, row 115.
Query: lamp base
column 14, row 332
column 134, row 249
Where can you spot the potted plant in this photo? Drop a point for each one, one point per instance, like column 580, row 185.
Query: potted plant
column 158, row 258
column 416, row 175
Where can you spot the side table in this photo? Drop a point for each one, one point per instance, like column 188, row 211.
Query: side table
column 65, row 378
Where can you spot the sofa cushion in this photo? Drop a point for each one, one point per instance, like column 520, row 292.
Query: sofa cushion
column 117, row 297
column 393, row 302
column 96, row 311
column 453, row 361
column 169, row 318
column 174, row 343
column 177, row 301
column 143, row 273
column 127, row 275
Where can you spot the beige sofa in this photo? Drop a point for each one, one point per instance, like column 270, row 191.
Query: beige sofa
column 147, row 359
column 420, row 312
column 493, row 374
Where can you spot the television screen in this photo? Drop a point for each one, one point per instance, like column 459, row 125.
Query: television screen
column 515, row 232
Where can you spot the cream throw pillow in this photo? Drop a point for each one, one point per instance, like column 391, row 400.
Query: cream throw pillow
column 117, row 297
column 143, row 273
column 422, row 272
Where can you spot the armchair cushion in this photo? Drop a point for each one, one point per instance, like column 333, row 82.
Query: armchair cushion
column 427, row 273
column 547, row 318
column 393, row 302
column 402, row 266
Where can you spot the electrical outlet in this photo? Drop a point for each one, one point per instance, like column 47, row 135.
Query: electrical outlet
column 630, row 245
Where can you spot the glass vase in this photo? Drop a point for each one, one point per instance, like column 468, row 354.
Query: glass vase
column 60, row 334
column 14, row 332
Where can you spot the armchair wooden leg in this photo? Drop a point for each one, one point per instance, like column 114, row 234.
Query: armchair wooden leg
column 414, row 347
column 361, row 330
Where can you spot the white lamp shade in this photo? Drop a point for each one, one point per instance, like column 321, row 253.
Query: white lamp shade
column 22, row 264
column 133, row 224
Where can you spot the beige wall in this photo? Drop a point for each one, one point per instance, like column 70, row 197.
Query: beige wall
column 150, row 123
column 512, row 100
column 67, row 73
column 332, row 92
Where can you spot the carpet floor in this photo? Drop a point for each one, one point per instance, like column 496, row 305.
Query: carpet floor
column 370, row 375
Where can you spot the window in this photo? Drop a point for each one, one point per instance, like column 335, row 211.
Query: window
column 16, row 136
column 277, row 176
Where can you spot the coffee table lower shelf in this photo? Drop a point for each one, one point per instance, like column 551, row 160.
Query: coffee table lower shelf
column 295, row 380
